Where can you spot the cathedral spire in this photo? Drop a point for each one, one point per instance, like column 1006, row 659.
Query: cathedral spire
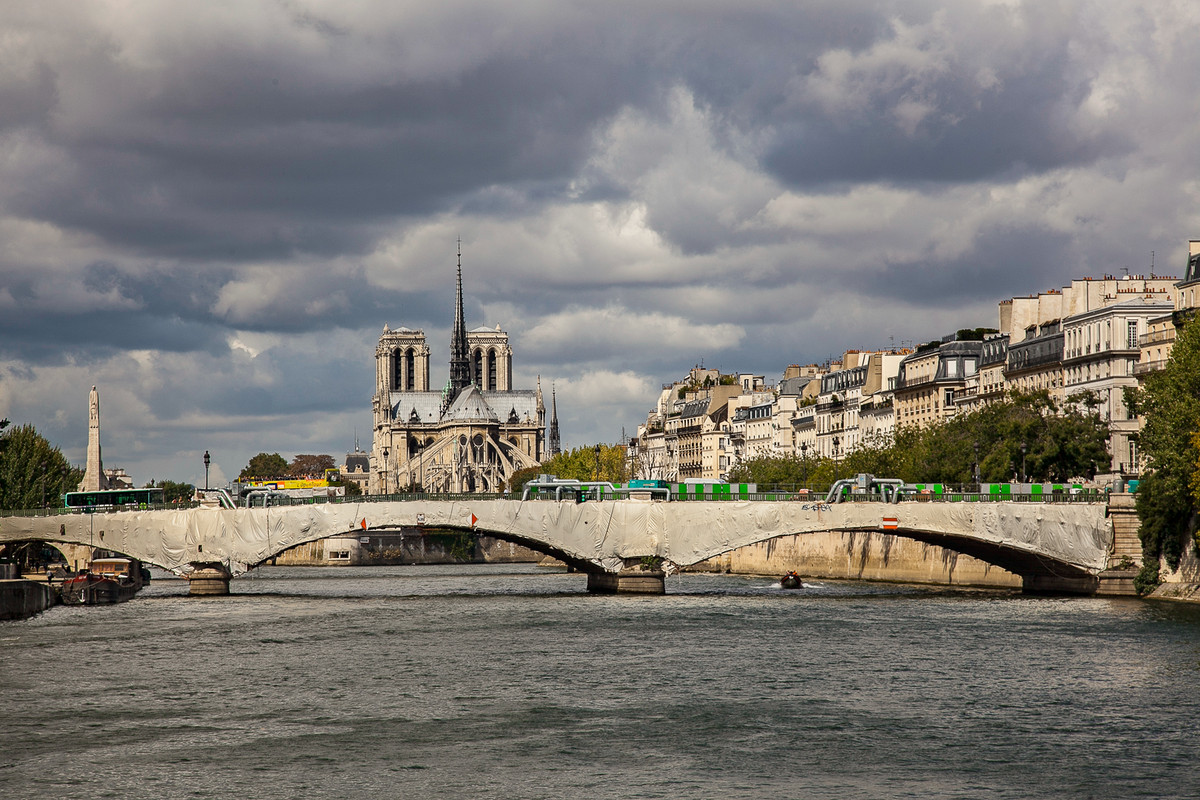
column 555, row 446
column 460, row 358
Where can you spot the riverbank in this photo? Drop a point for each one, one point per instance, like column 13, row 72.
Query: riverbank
column 1183, row 583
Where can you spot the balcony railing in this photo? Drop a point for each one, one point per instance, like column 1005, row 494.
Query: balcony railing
column 1154, row 337
column 1143, row 367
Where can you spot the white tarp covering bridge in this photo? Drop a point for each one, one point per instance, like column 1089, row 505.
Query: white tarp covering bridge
column 1067, row 540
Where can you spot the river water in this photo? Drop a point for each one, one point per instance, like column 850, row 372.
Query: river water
column 509, row 681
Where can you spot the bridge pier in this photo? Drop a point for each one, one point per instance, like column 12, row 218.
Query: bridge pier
column 1057, row 584
column 208, row 582
column 628, row 581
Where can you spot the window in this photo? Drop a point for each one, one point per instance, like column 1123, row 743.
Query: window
column 1131, row 335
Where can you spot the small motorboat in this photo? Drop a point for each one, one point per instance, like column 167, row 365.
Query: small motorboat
column 791, row 581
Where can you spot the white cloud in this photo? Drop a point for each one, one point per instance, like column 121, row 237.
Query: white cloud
column 614, row 331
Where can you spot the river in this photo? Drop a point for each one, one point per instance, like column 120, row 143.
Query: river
column 509, row 681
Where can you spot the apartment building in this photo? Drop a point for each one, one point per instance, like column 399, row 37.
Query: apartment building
column 929, row 379
column 1102, row 349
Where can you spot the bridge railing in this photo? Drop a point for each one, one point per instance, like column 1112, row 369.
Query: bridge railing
column 762, row 496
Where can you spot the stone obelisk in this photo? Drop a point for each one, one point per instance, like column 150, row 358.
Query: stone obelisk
column 94, row 478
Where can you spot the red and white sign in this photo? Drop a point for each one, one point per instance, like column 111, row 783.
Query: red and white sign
column 474, row 519
column 890, row 523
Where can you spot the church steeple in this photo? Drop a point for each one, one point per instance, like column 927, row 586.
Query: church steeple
column 460, row 358
column 555, row 447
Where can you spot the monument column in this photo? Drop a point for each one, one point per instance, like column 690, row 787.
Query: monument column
column 94, row 479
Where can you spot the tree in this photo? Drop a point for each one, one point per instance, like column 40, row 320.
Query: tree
column 1169, row 401
column 517, row 481
column 581, row 464
column 773, row 470
column 173, row 491
column 265, row 465
column 33, row 473
column 310, row 466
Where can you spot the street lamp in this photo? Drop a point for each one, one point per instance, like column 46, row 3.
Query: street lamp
column 385, row 470
column 976, row 446
column 597, row 450
column 1024, row 448
column 804, row 460
column 836, row 442
column 207, row 461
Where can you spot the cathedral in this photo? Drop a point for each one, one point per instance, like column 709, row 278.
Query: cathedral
column 470, row 436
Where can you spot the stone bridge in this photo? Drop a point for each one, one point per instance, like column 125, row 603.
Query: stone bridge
column 623, row 545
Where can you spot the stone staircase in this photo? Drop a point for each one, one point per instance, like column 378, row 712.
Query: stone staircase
column 1126, row 544
column 1125, row 556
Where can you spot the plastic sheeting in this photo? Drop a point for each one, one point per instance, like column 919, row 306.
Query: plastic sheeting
column 603, row 533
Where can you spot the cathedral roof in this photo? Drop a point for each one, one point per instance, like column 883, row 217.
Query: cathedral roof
column 470, row 406
column 425, row 406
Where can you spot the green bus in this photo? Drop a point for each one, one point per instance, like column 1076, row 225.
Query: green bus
column 112, row 499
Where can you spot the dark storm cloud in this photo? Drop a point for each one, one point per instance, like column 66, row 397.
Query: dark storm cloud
column 27, row 99
column 221, row 161
column 173, row 310
column 1003, row 133
column 50, row 338
column 1004, row 261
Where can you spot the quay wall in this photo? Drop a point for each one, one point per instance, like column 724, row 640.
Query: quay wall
column 860, row 555
column 1183, row 583
column 405, row 546
column 20, row 598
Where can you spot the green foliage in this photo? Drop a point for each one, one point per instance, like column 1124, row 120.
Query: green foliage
column 517, row 481
column 459, row 545
column 775, row 470
column 265, row 465
column 33, row 472
column 174, row 492
column 352, row 488
column 1147, row 578
column 973, row 334
column 581, row 464
column 310, row 466
column 1169, row 401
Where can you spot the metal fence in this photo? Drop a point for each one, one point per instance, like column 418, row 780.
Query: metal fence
column 767, row 496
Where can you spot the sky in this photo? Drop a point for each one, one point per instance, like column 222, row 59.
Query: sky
column 210, row 210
